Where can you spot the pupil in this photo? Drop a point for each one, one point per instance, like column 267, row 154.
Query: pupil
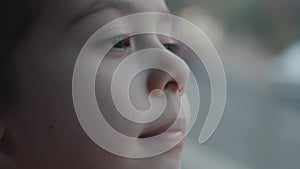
column 169, row 46
column 122, row 44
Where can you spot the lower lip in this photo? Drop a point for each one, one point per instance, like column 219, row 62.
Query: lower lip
column 175, row 134
column 176, row 138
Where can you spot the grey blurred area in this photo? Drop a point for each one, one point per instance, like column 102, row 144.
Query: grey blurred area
column 259, row 44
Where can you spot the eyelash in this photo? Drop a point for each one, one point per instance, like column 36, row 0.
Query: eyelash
column 124, row 44
column 171, row 46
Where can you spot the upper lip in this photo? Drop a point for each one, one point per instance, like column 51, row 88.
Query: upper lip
column 173, row 126
column 178, row 125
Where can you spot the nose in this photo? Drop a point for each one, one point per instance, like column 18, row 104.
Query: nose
column 177, row 71
column 172, row 79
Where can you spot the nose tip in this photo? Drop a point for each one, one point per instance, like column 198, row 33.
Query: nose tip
column 175, row 78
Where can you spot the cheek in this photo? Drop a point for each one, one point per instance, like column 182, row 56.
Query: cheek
column 105, row 102
column 44, row 105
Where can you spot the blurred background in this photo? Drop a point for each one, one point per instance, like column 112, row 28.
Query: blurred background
column 259, row 44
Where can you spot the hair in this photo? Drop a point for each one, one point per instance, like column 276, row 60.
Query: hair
column 16, row 17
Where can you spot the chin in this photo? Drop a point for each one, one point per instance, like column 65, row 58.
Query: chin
column 168, row 160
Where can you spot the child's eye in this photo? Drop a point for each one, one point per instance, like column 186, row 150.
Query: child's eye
column 122, row 44
column 170, row 46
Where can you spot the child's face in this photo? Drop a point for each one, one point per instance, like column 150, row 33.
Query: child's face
column 43, row 126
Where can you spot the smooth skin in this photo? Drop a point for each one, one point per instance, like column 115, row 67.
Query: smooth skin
column 40, row 129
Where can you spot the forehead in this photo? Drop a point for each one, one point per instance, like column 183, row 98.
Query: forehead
column 138, row 5
column 64, row 12
column 73, row 7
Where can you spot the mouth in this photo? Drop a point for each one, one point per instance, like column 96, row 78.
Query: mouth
column 174, row 132
column 176, row 127
column 169, row 134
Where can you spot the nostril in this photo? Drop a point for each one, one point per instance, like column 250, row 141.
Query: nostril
column 173, row 85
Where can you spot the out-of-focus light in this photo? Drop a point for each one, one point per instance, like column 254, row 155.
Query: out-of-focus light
column 288, row 66
column 204, row 21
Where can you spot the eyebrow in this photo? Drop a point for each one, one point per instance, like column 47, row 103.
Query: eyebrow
column 99, row 5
